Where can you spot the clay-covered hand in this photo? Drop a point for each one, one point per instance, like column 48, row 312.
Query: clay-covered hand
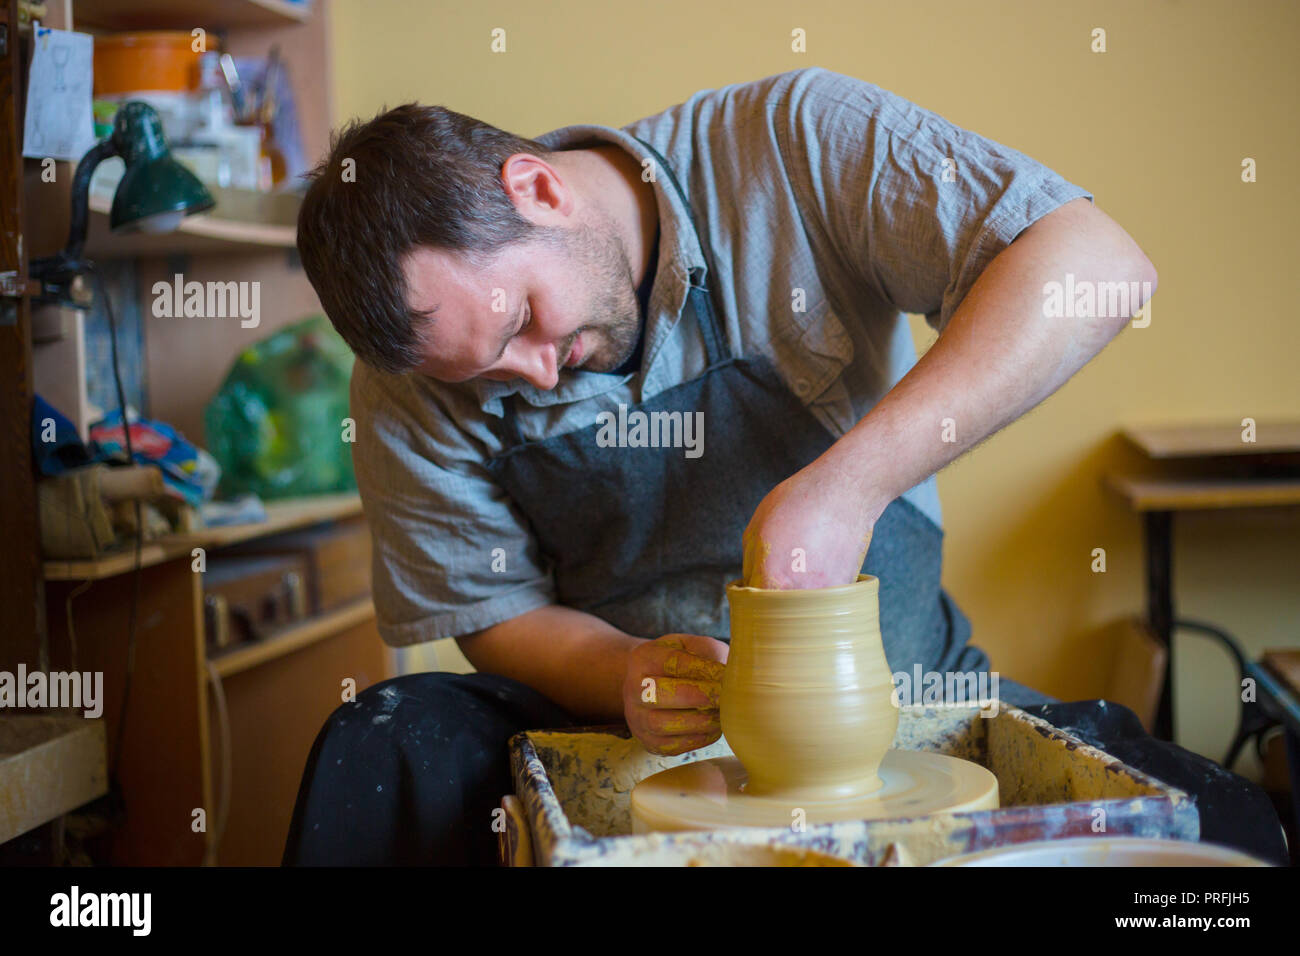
column 811, row 531
column 670, row 694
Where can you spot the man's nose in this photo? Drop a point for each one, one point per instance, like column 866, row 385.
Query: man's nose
column 539, row 367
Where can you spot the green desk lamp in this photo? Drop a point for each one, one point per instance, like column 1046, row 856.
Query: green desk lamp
column 155, row 193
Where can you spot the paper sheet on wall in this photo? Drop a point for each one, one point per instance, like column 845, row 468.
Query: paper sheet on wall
column 58, row 123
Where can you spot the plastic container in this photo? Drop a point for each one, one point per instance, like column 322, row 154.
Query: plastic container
column 153, row 60
column 1106, row 851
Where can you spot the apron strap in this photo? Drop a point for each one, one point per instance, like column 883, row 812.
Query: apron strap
column 507, row 428
column 700, row 296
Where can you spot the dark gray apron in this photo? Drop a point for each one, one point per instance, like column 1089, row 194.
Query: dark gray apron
column 647, row 539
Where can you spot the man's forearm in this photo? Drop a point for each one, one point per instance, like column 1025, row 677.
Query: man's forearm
column 998, row 357
column 573, row 658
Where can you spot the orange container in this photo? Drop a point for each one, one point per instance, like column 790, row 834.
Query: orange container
column 152, row 60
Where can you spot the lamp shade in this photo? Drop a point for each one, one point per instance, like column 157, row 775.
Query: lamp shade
column 156, row 191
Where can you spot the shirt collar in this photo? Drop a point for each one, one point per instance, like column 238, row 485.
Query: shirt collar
column 679, row 256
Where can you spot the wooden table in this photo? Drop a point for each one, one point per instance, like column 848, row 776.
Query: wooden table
column 1234, row 474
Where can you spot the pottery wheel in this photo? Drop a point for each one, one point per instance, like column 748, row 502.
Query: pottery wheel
column 710, row 795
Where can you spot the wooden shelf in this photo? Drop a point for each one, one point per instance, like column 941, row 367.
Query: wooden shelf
column 118, row 562
column 1203, row 494
column 280, row 516
column 197, row 234
column 49, row 765
column 187, row 14
column 283, row 515
column 291, row 639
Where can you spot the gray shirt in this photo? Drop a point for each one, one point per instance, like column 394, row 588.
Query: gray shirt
column 833, row 208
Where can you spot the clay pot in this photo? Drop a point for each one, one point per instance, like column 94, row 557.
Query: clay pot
column 807, row 694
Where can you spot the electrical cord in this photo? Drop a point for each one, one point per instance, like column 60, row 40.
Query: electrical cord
column 101, row 288
column 79, row 590
column 223, row 805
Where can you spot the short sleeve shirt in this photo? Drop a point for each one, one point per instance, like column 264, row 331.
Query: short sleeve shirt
column 832, row 209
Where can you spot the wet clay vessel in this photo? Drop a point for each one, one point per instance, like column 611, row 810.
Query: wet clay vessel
column 807, row 694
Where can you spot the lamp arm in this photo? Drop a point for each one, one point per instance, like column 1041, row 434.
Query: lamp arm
column 79, row 220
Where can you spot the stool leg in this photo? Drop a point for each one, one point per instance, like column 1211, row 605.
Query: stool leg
column 1293, row 768
column 1158, row 530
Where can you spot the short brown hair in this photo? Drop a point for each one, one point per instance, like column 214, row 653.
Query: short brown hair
column 419, row 176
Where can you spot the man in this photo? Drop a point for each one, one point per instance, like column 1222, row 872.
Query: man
column 601, row 370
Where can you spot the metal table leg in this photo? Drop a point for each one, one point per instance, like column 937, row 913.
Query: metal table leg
column 1158, row 530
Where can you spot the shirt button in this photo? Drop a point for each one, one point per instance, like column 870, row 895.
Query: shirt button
column 801, row 386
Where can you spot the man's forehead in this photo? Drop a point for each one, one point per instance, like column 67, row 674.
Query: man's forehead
column 436, row 276
column 429, row 275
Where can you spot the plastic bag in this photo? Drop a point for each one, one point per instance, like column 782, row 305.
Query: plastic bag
column 276, row 425
column 189, row 472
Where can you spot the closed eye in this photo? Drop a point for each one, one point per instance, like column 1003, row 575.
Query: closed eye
column 528, row 318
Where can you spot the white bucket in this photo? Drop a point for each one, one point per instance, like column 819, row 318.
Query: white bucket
column 1105, row 851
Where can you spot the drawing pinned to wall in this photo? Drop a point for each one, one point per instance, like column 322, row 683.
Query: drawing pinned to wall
column 58, row 123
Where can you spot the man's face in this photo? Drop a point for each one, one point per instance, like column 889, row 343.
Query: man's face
column 563, row 300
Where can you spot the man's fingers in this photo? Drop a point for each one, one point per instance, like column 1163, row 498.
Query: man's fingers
column 747, row 559
column 670, row 692
column 683, row 664
column 674, row 723
column 671, row 746
column 667, row 661
column 672, row 658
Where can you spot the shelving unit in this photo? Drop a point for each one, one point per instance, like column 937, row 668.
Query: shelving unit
column 186, row 14
column 278, row 690
column 292, row 638
column 280, row 516
column 100, row 614
column 197, row 235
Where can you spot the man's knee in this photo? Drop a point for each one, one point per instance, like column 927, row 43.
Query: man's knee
column 394, row 704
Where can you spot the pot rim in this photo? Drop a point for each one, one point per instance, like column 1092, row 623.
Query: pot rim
column 865, row 582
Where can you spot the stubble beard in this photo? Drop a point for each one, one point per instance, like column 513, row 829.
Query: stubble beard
column 614, row 315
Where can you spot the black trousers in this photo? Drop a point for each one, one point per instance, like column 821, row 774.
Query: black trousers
column 410, row 772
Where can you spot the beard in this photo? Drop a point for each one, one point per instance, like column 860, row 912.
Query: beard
column 613, row 313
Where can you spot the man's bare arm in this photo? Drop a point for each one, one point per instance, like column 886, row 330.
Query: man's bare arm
column 998, row 357
column 667, row 689
column 573, row 658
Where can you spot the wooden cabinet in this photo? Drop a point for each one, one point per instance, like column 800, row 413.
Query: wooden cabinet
column 226, row 734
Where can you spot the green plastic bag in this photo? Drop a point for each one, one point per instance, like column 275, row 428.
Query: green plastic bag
column 276, row 425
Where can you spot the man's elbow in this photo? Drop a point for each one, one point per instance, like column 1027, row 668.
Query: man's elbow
column 1146, row 283
column 1135, row 274
column 1148, row 277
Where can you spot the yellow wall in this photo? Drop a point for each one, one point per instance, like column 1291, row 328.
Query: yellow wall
column 1156, row 128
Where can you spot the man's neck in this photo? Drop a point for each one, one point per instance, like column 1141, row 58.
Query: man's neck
column 613, row 178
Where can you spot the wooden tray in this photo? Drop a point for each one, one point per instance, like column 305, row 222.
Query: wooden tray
column 573, row 789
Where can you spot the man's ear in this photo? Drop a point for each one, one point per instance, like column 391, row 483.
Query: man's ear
column 537, row 188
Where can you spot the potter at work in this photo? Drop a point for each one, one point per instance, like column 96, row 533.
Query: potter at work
column 742, row 261
column 807, row 708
